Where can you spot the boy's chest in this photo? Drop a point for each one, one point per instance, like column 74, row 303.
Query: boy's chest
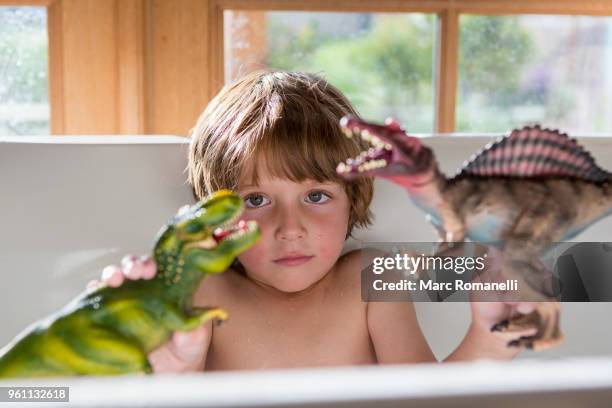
column 322, row 333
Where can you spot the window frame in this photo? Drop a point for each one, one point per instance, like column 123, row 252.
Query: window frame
column 69, row 114
column 140, row 39
column 448, row 12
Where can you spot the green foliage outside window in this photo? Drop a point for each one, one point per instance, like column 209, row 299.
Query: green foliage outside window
column 387, row 68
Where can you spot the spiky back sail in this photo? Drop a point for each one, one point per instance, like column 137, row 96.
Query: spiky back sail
column 533, row 152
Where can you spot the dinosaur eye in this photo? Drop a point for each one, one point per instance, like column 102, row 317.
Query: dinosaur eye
column 193, row 227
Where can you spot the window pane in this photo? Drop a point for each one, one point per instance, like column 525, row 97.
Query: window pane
column 382, row 62
column 24, row 102
column 553, row 70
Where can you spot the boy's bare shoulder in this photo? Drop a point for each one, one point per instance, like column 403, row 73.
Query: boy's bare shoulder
column 349, row 266
column 360, row 258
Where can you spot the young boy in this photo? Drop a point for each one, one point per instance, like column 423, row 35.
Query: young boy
column 293, row 300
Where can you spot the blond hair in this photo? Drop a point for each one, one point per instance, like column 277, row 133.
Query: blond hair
column 288, row 120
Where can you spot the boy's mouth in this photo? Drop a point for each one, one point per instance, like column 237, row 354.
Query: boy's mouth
column 293, row 260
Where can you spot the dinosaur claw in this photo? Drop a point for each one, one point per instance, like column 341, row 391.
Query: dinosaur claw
column 528, row 342
column 500, row 326
column 393, row 124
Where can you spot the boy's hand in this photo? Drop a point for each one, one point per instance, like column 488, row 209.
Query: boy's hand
column 480, row 341
column 185, row 351
column 486, row 314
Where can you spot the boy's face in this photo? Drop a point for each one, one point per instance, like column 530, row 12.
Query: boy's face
column 303, row 227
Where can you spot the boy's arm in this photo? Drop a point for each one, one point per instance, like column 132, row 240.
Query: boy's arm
column 397, row 337
column 185, row 352
column 396, row 334
column 393, row 326
column 481, row 342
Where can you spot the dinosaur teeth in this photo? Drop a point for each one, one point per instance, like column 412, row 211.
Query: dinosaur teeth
column 370, row 138
column 222, row 233
column 365, row 135
column 243, row 228
column 229, row 223
column 372, row 165
column 208, row 243
column 343, row 168
column 376, row 141
column 237, row 231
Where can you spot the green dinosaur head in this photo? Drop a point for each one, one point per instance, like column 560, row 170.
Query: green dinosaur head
column 205, row 236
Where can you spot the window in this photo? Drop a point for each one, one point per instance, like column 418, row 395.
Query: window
column 464, row 66
column 554, row 70
column 24, row 101
column 382, row 62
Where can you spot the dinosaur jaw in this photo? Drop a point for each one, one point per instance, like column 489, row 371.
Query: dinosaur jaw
column 234, row 231
column 393, row 152
column 220, row 235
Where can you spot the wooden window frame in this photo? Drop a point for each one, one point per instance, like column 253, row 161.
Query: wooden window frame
column 447, row 38
column 162, row 75
column 113, row 103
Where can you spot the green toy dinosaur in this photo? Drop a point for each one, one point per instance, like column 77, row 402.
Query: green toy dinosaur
column 523, row 193
column 111, row 330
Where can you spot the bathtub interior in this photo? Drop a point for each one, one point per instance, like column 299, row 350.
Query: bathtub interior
column 72, row 205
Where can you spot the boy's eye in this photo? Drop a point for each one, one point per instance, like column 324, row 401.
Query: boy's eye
column 255, row 200
column 318, row 197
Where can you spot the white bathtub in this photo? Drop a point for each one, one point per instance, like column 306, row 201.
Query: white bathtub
column 71, row 205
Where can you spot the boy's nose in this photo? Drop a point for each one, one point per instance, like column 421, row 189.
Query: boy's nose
column 290, row 234
column 290, row 227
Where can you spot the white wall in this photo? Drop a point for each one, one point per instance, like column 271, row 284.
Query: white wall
column 70, row 205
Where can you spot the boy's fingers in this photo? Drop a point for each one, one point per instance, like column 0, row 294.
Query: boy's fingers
column 189, row 338
column 149, row 268
column 184, row 352
column 515, row 335
column 138, row 267
column 112, row 276
column 131, row 267
column 190, row 345
column 93, row 284
column 525, row 307
column 128, row 259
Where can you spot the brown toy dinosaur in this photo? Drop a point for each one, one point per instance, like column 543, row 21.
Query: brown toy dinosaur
column 527, row 190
